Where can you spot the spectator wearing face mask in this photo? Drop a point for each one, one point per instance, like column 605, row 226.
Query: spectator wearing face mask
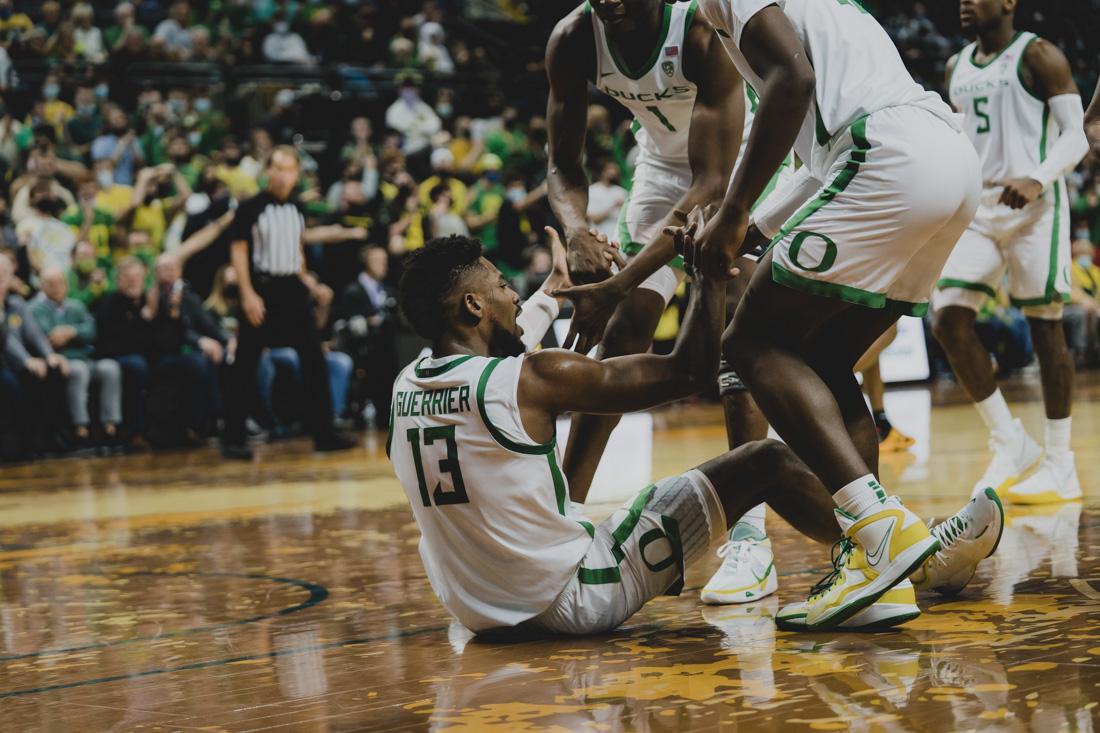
column 56, row 112
column 71, row 331
column 486, row 198
column 444, row 222
column 234, row 173
column 48, row 240
column 111, row 196
column 284, row 46
column 412, row 117
column 605, row 199
column 159, row 194
column 210, row 124
column 87, row 123
column 119, row 144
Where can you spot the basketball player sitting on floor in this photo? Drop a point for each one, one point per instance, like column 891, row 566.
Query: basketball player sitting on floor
column 472, row 440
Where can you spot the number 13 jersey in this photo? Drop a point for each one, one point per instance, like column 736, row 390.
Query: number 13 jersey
column 1010, row 127
column 498, row 539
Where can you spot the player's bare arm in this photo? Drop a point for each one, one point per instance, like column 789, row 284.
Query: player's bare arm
column 1092, row 124
column 717, row 120
column 1046, row 72
column 556, row 381
column 568, row 55
column 776, row 54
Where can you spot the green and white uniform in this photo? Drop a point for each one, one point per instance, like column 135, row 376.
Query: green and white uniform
column 500, row 541
column 662, row 99
column 892, row 180
column 1012, row 130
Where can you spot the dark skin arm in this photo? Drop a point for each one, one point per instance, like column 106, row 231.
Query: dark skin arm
column 554, row 381
column 776, row 54
column 1092, row 125
column 714, row 137
column 1046, row 72
column 568, row 54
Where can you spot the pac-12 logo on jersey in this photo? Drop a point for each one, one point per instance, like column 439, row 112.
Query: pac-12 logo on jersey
column 668, row 67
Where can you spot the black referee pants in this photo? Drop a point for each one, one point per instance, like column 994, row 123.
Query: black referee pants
column 288, row 321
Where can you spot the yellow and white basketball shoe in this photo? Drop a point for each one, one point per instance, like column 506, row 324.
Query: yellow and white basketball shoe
column 887, row 545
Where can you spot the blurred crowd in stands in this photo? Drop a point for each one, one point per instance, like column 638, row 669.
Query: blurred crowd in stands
column 130, row 130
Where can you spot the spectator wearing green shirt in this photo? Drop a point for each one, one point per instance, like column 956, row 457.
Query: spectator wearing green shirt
column 86, row 125
column 88, row 221
column 125, row 24
column 485, row 200
column 509, row 143
column 71, row 331
column 90, row 277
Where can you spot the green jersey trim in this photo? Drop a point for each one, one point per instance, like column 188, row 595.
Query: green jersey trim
column 950, row 282
column 505, row 442
column 847, row 293
column 662, row 35
column 842, row 181
column 435, row 371
column 598, row 576
column 1020, row 71
column 1051, row 294
column 973, row 54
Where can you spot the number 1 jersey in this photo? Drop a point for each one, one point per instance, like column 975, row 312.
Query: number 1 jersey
column 498, row 539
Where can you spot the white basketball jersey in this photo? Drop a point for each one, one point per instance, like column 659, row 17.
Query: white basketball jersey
column 658, row 94
column 858, row 69
column 1010, row 127
column 497, row 540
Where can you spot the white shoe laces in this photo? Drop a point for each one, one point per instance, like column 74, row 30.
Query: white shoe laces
column 740, row 550
column 951, row 529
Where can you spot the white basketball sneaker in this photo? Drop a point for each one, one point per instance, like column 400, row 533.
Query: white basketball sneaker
column 747, row 572
column 966, row 538
column 894, row 607
column 884, row 547
column 1055, row 481
column 1013, row 455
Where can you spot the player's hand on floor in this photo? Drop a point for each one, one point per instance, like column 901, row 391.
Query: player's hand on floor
column 1019, row 192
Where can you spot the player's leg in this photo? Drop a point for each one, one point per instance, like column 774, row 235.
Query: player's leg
column 748, row 549
column 1039, row 263
column 891, row 440
column 973, row 271
column 630, row 331
column 655, row 192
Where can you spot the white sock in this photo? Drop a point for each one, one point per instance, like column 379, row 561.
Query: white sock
column 753, row 518
column 995, row 413
column 860, row 496
column 1057, row 436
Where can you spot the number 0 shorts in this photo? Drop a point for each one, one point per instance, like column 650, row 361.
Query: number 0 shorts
column 898, row 197
column 638, row 553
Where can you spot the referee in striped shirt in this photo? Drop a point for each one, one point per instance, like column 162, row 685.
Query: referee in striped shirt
column 268, row 236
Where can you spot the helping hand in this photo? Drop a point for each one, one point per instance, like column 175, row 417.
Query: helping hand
column 593, row 304
column 591, row 257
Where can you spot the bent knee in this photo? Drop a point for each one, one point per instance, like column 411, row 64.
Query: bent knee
column 952, row 323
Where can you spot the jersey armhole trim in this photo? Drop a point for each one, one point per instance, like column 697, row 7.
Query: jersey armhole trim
column 1020, row 73
column 503, row 440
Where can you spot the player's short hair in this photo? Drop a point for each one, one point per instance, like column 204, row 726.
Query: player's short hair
column 430, row 276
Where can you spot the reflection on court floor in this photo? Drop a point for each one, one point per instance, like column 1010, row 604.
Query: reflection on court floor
column 177, row 592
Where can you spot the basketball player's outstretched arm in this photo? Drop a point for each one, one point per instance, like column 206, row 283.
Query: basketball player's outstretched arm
column 773, row 49
column 1046, row 71
column 568, row 54
column 1092, row 124
column 556, row 381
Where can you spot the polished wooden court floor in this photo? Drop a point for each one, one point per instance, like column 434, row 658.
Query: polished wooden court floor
column 177, row 592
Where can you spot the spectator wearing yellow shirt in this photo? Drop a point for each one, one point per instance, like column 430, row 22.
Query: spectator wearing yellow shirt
column 1082, row 313
column 12, row 24
column 56, row 112
column 111, row 196
column 159, row 195
column 443, row 164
